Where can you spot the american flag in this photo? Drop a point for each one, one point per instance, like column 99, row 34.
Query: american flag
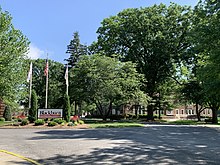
column 46, row 68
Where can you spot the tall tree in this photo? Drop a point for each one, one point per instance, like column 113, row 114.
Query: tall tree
column 32, row 115
column 105, row 82
column 156, row 38
column 66, row 108
column 75, row 49
column 206, row 41
column 56, row 84
column 13, row 50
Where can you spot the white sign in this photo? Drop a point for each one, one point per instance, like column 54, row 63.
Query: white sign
column 50, row 113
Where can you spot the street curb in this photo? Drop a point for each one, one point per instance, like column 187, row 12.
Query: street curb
column 22, row 157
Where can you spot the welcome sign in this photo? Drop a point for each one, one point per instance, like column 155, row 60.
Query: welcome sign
column 50, row 113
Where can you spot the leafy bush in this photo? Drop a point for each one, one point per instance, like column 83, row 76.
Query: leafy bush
column 59, row 121
column 2, row 119
column 74, row 118
column 39, row 122
column 70, row 124
column 24, row 122
column 75, row 123
column 52, row 123
column 7, row 113
column 80, row 121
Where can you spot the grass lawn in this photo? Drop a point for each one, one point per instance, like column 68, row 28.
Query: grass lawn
column 2, row 123
column 115, row 125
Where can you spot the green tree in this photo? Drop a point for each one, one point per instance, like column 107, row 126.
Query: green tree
column 32, row 115
column 194, row 93
column 156, row 38
column 206, row 41
column 56, row 83
column 66, row 108
column 13, row 50
column 75, row 49
column 105, row 82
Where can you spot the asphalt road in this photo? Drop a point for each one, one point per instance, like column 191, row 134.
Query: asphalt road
column 149, row 145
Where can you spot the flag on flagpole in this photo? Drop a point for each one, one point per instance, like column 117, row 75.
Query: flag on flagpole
column 66, row 76
column 46, row 68
column 29, row 73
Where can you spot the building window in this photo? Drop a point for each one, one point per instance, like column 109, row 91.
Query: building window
column 182, row 111
column 186, row 111
column 193, row 112
column 177, row 111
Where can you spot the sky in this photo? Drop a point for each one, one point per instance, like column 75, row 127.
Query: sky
column 49, row 24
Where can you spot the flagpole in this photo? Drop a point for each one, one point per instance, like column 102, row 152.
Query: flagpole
column 30, row 84
column 47, row 65
column 30, row 92
column 67, row 82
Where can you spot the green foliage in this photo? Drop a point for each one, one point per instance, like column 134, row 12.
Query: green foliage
column 52, row 123
column 56, row 83
column 2, row 119
column 75, row 49
column 13, row 47
column 7, row 113
column 59, row 121
column 33, row 110
column 24, row 122
column 70, row 124
column 105, row 81
column 206, row 40
column 66, row 108
column 39, row 122
column 116, row 125
column 80, row 121
column 156, row 38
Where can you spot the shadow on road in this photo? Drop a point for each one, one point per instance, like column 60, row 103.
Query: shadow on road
column 150, row 145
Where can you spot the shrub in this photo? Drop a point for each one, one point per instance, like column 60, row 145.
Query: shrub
column 66, row 108
column 52, row 123
column 74, row 118
column 75, row 123
column 70, row 124
column 24, row 122
column 59, row 121
column 80, row 121
column 7, row 113
column 33, row 110
column 39, row 122
column 2, row 119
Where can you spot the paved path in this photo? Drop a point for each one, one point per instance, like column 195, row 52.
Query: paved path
column 149, row 145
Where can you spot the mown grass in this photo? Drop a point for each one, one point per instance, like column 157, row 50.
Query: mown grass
column 2, row 123
column 184, row 122
column 115, row 125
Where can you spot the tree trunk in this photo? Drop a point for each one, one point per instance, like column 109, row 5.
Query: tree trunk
column 215, row 116
column 197, row 112
column 150, row 112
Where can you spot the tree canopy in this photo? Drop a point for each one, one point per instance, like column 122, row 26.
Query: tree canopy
column 13, row 50
column 105, row 81
column 156, row 38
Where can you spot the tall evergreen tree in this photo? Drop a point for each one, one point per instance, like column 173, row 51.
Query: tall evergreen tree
column 33, row 110
column 66, row 108
column 75, row 49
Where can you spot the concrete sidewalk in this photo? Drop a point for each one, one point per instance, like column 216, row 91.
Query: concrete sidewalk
column 9, row 159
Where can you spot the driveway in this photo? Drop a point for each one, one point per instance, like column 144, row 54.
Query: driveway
column 143, row 145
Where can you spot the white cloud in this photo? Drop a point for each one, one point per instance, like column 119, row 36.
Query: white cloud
column 35, row 52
